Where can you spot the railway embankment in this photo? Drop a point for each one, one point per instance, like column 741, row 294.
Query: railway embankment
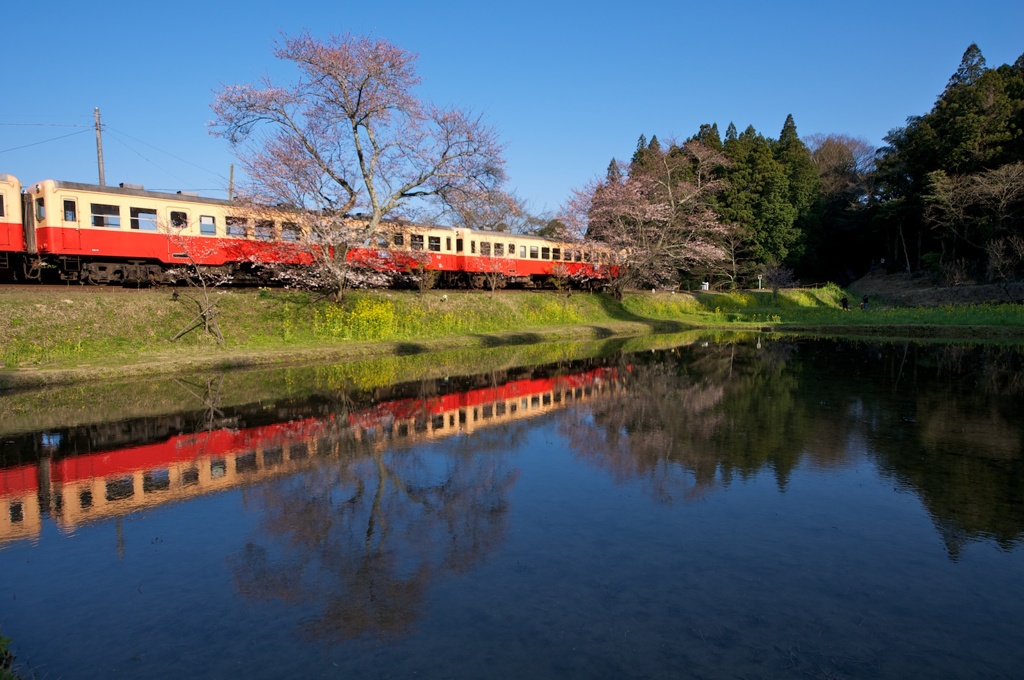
column 64, row 334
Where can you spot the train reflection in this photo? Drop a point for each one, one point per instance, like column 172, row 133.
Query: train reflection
column 94, row 486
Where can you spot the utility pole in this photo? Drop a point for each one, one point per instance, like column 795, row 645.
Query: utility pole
column 231, row 183
column 99, row 146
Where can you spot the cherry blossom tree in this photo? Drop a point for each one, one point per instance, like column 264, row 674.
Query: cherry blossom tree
column 350, row 135
column 491, row 211
column 659, row 215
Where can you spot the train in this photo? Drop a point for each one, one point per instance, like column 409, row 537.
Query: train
column 59, row 231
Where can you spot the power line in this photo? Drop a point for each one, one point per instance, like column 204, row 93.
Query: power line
column 116, row 135
column 136, row 152
column 25, row 146
column 167, row 153
column 184, row 182
column 44, row 125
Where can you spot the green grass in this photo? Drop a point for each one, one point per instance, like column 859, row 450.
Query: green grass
column 74, row 326
column 6, row 660
column 79, row 326
column 819, row 310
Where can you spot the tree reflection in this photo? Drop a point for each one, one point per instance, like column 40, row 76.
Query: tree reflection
column 359, row 538
column 958, row 443
column 943, row 420
column 690, row 419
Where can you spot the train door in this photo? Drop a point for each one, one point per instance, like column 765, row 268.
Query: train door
column 6, row 221
column 5, row 231
column 70, row 223
column 28, row 220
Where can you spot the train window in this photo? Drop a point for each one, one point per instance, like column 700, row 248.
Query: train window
column 399, row 240
column 416, row 242
column 142, row 218
column 382, row 241
column 522, row 251
column 290, row 232
column 485, row 248
column 534, row 252
column 556, row 253
column 106, row 216
column 511, row 249
column 434, row 244
column 576, row 255
column 264, row 230
column 1, row 205
column 179, row 219
column 545, row 253
column 246, row 462
column 586, row 256
column 458, row 245
column 70, row 210
column 448, row 244
column 207, row 225
column 190, row 476
column 40, row 209
column 120, row 488
column 235, row 226
column 499, row 249
column 273, row 457
column 156, row 480
column 472, row 247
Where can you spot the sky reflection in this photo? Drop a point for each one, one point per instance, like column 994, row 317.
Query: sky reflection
column 817, row 509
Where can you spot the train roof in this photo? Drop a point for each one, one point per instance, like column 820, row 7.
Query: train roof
column 138, row 191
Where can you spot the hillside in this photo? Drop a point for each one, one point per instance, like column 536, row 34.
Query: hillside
column 912, row 290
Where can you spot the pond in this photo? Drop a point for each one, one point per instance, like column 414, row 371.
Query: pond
column 731, row 507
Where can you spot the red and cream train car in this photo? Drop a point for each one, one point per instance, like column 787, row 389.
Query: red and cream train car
column 116, row 234
column 12, row 231
column 124, row 234
column 470, row 258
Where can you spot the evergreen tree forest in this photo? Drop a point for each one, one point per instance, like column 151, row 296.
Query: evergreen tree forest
column 944, row 196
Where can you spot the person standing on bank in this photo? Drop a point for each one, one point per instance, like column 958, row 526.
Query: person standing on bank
column 845, row 302
column 864, row 303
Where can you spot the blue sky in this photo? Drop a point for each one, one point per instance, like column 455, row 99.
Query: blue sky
column 568, row 85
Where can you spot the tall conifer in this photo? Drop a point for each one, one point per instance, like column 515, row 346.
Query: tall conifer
column 804, row 184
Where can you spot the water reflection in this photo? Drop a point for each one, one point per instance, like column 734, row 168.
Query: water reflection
column 943, row 421
column 359, row 541
column 89, row 473
column 691, row 418
column 739, row 507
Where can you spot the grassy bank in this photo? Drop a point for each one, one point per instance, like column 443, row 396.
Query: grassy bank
column 62, row 334
column 97, row 401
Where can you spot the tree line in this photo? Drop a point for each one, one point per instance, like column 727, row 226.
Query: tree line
column 944, row 195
